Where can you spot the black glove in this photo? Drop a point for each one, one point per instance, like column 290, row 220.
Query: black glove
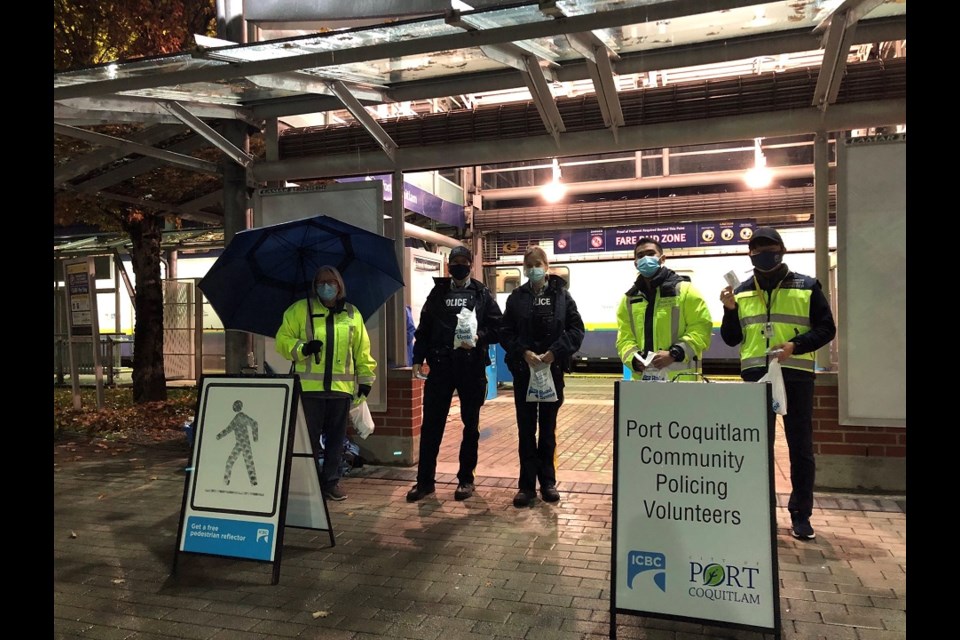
column 314, row 346
column 363, row 390
column 637, row 366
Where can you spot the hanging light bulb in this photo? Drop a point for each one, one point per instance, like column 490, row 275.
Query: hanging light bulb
column 759, row 176
column 554, row 191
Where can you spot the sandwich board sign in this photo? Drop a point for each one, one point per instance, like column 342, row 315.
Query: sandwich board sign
column 237, row 497
column 694, row 526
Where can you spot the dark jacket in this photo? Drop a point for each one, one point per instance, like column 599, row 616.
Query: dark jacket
column 517, row 333
column 433, row 338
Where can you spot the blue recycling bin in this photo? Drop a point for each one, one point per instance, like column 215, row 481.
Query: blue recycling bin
column 492, row 373
column 503, row 371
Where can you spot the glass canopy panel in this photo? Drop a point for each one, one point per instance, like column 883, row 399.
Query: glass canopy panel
column 771, row 17
column 753, row 20
column 137, row 68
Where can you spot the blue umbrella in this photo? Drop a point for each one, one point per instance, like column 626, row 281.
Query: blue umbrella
column 265, row 270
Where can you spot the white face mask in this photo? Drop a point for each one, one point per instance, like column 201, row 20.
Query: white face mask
column 535, row 274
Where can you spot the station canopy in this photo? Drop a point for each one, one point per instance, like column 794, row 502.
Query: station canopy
column 549, row 58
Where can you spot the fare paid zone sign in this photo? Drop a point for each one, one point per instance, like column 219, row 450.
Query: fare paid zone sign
column 694, row 526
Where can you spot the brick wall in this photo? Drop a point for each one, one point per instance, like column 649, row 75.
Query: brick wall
column 832, row 438
column 857, row 457
column 396, row 438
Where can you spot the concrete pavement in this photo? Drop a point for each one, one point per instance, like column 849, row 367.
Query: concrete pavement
column 476, row 569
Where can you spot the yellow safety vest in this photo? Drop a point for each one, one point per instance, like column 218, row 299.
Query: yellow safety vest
column 784, row 314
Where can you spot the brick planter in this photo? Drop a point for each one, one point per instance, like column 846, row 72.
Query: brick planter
column 854, row 457
column 396, row 439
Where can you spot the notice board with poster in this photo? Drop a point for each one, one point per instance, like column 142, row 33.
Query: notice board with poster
column 356, row 203
column 694, row 526
column 235, row 495
column 872, row 280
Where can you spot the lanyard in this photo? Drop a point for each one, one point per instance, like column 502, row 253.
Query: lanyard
column 768, row 327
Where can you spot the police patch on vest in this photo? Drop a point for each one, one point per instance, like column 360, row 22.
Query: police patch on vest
column 460, row 298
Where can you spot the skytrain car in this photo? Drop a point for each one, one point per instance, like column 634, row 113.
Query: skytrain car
column 597, row 286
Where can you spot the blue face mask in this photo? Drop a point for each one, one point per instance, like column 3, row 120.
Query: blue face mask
column 647, row 265
column 535, row 274
column 327, row 292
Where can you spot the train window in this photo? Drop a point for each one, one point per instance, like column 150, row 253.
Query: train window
column 507, row 280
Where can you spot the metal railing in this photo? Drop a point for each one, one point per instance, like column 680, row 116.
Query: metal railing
column 111, row 355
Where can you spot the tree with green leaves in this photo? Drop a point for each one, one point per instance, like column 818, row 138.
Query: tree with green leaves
column 89, row 33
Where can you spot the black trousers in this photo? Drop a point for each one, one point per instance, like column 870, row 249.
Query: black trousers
column 327, row 416
column 798, row 428
column 469, row 379
column 538, row 456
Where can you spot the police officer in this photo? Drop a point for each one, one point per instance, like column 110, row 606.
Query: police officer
column 663, row 314
column 785, row 313
column 460, row 368
column 541, row 326
column 326, row 339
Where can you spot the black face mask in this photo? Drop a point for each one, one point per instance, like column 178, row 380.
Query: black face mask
column 767, row 261
column 459, row 271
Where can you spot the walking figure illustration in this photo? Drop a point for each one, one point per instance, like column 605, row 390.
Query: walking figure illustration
column 241, row 426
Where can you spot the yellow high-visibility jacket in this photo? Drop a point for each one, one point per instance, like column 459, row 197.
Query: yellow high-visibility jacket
column 345, row 359
column 677, row 315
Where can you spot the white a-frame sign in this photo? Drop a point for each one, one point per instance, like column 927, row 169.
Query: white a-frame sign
column 252, row 471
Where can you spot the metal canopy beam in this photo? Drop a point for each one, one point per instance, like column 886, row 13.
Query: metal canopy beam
column 364, row 118
column 840, row 27
column 309, row 83
column 97, row 158
column 208, row 133
column 877, row 30
column 597, row 56
column 542, row 98
column 137, row 167
column 162, row 206
column 708, row 130
column 524, row 57
column 575, row 24
column 132, row 147
column 195, row 205
column 478, row 22
column 148, row 106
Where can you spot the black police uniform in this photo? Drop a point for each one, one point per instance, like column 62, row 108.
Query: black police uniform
column 453, row 369
column 538, row 322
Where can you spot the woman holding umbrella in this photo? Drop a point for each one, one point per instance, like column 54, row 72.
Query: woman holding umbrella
column 325, row 338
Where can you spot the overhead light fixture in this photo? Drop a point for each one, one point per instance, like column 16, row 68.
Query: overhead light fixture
column 554, row 191
column 760, row 175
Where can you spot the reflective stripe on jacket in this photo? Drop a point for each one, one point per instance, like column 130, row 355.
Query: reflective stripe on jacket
column 345, row 359
column 679, row 316
column 786, row 310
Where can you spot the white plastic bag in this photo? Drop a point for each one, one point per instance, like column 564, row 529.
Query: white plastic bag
column 541, row 387
column 361, row 419
column 774, row 376
column 466, row 330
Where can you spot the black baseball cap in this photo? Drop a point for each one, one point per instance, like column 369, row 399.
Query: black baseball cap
column 460, row 250
column 766, row 233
